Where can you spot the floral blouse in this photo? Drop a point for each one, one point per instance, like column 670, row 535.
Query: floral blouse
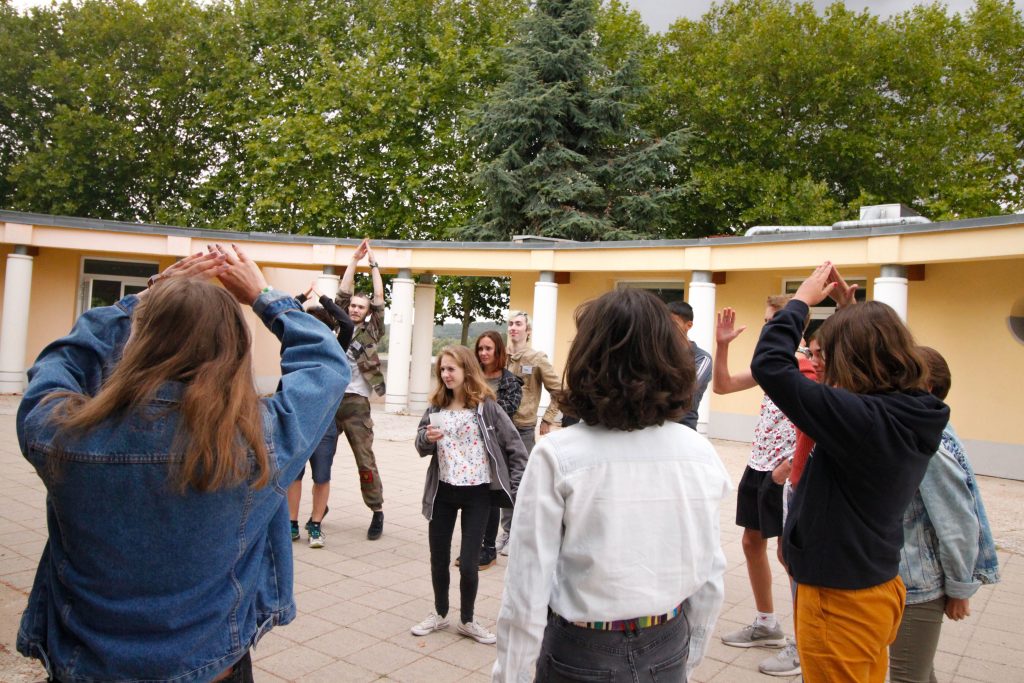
column 774, row 438
column 461, row 458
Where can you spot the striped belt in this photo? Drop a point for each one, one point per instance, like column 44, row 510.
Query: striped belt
column 623, row 624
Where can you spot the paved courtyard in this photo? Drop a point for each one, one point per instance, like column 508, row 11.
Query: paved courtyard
column 358, row 598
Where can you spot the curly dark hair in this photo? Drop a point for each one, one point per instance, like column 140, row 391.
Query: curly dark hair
column 628, row 367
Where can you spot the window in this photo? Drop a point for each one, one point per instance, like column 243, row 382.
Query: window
column 105, row 282
column 666, row 291
column 827, row 307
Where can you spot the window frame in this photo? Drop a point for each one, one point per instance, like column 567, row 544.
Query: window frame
column 85, row 280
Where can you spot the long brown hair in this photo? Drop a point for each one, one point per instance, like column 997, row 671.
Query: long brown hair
column 500, row 352
column 628, row 367
column 191, row 332
column 474, row 387
column 868, row 350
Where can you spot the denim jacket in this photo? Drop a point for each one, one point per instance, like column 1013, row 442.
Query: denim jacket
column 138, row 581
column 948, row 547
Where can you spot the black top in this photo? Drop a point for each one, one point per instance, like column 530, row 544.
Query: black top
column 845, row 524
column 345, row 325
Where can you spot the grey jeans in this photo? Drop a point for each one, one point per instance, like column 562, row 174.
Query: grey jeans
column 529, row 438
column 649, row 655
column 912, row 654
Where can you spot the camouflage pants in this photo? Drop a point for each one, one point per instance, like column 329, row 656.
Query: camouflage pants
column 353, row 418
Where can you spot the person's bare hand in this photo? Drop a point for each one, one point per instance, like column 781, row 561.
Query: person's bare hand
column 816, row 287
column 242, row 277
column 725, row 327
column 200, row 265
column 545, row 428
column 958, row 608
column 434, row 434
column 361, row 250
column 311, row 290
column 369, row 251
column 843, row 294
column 781, row 473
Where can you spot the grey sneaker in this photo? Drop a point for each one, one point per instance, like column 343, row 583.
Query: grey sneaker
column 502, row 542
column 785, row 663
column 433, row 622
column 756, row 636
column 476, row 632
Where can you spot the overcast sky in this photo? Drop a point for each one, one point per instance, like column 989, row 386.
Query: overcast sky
column 660, row 13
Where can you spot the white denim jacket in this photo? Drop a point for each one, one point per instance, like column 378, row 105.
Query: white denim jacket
column 613, row 525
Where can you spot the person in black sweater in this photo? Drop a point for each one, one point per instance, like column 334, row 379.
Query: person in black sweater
column 876, row 427
column 336, row 318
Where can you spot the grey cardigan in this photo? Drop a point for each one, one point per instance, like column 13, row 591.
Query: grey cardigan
column 505, row 450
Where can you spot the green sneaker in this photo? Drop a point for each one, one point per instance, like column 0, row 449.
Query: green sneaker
column 316, row 536
column 295, row 530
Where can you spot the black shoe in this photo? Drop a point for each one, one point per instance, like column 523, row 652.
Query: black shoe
column 376, row 526
column 488, row 556
column 295, row 529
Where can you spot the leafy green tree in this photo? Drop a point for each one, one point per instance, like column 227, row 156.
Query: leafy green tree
column 561, row 157
column 120, row 92
column 468, row 299
column 350, row 125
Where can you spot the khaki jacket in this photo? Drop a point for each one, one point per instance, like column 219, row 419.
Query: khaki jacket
column 533, row 368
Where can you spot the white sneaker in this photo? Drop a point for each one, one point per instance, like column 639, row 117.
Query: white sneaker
column 433, row 622
column 501, row 543
column 785, row 663
column 477, row 633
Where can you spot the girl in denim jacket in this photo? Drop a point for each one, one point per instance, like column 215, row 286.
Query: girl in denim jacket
column 948, row 551
column 168, row 554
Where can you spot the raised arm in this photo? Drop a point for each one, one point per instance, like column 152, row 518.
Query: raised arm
column 314, row 371
column 378, row 283
column 722, row 381
column 348, row 278
column 345, row 326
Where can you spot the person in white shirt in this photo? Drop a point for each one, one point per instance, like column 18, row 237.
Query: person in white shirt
column 616, row 568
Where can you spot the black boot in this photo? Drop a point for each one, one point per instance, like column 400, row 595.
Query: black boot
column 488, row 556
column 376, row 526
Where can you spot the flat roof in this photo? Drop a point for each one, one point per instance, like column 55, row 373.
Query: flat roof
column 527, row 244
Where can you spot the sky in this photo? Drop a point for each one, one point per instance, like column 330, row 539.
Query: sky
column 659, row 14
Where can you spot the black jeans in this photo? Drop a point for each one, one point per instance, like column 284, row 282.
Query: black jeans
column 571, row 653
column 475, row 503
column 491, row 532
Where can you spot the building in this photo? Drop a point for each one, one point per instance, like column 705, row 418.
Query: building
column 958, row 284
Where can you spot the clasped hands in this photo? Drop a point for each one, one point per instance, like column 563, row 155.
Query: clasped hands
column 826, row 281
column 230, row 265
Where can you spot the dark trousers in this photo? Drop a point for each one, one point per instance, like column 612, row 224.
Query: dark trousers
column 647, row 655
column 475, row 503
column 491, row 532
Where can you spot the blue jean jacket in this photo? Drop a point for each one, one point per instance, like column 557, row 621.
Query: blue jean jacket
column 138, row 581
column 948, row 547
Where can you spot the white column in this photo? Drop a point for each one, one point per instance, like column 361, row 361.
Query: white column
column 702, row 299
column 14, row 326
column 403, row 289
column 422, row 344
column 327, row 282
column 891, row 288
column 545, row 309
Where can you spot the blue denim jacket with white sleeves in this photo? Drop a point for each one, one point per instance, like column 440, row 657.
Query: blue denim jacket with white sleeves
column 948, row 547
column 138, row 581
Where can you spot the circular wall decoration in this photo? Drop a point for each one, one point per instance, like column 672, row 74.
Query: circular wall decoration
column 1016, row 320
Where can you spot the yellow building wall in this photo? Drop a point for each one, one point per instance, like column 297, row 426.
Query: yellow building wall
column 961, row 309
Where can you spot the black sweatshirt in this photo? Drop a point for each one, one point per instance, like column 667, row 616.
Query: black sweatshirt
column 845, row 524
column 345, row 325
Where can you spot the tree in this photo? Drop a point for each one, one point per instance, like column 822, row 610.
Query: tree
column 119, row 89
column 801, row 118
column 470, row 298
column 560, row 156
column 349, row 124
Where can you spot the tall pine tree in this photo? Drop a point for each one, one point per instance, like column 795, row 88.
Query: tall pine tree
column 560, row 157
